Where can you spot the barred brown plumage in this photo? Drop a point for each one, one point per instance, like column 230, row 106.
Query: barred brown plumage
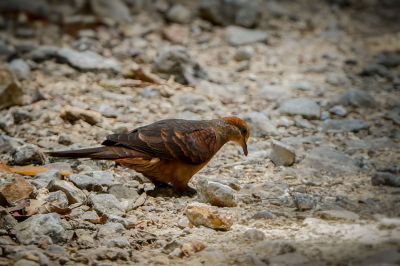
column 168, row 151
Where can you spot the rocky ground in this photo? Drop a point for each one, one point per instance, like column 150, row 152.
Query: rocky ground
column 318, row 82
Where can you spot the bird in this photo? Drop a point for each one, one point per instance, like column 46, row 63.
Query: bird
column 169, row 151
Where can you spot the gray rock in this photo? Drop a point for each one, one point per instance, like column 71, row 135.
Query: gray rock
column 282, row 154
column 339, row 110
column 118, row 242
column 21, row 116
column 226, row 12
column 20, row 69
column 107, row 111
column 42, row 180
column 128, row 222
column 357, row 98
column 107, row 204
column 216, row 194
column 35, row 228
column 304, row 201
column 254, row 234
column 8, row 144
column 338, row 215
column 228, row 181
column 123, row 191
column 7, row 222
column 179, row 14
column 90, row 216
column 386, row 179
column 115, row 10
column 58, row 199
column 10, row 91
column 85, row 61
column 74, row 194
column 336, row 79
column 239, row 36
column 191, row 102
column 303, row 86
column 301, row 106
column 109, row 230
column 93, row 181
column 28, row 154
column 394, row 115
column 272, row 92
column 344, row 125
column 30, row 256
column 261, row 215
column 176, row 61
column 260, row 124
column 244, row 54
column 330, row 161
column 388, row 59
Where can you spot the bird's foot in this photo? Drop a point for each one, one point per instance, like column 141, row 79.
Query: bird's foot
column 186, row 191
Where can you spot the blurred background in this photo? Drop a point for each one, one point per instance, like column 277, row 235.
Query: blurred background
column 317, row 81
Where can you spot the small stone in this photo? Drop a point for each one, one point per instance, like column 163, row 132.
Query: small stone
column 171, row 246
column 58, row 199
column 109, row 230
column 388, row 59
column 21, row 116
column 267, row 215
column 10, row 91
column 254, row 234
column 338, row 215
column 32, row 230
column 260, row 124
column 92, row 181
column 301, row 106
column 90, row 216
column 20, row 69
column 303, row 86
column 114, row 10
column 216, row 194
column 336, row 79
column 73, row 193
column 282, row 154
column 28, row 154
column 73, row 114
column 394, row 115
column 18, row 189
column 128, row 222
column 176, row 33
column 7, row 222
column 204, row 215
column 65, row 139
column 226, row 12
column 357, row 98
column 386, row 179
column 304, row 201
column 179, row 14
column 107, row 204
column 244, row 53
column 240, row 36
column 176, row 61
column 118, row 242
column 344, row 125
column 42, row 180
column 339, row 110
column 123, row 191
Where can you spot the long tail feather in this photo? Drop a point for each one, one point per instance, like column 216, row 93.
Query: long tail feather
column 99, row 153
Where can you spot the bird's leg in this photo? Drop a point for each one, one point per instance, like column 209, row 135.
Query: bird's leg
column 184, row 189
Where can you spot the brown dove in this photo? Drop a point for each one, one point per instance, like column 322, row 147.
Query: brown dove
column 169, row 151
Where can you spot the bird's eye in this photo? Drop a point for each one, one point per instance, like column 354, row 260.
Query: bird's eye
column 243, row 131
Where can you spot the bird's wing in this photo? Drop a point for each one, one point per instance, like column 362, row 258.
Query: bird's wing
column 193, row 142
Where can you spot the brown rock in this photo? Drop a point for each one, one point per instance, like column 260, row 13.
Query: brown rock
column 73, row 114
column 202, row 214
column 10, row 90
column 20, row 189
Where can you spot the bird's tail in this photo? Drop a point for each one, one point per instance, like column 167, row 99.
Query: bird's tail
column 98, row 153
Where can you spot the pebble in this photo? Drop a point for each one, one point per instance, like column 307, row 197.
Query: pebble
column 73, row 114
column 176, row 61
column 301, row 106
column 20, row 69
column 114, row 10
column 92, row 181
column 304, row 201
column 263, row 215
column 338, row 215
column 28, row 154
column 282, row 154
column 74, row 194
column 260, row 124
column 224, row 12
column 106, row 204
column 244, row 53
column 58, row 199
column 35, row 228
column 240, row 36
column 179, row 14
column 204, row 215
column 124, row 191
column 7, row 222
column 254, row 234
column 339, row 110
column 357, row 98
column 216, row 193
column 17, row 190
column 110, row 230
column 10, row 91
column 42, row 180
column 344, row 125
column 385, row 179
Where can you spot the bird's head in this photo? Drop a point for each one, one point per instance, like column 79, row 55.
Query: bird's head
column 239, row 131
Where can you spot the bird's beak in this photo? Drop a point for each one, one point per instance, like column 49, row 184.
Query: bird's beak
column 244, row 147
